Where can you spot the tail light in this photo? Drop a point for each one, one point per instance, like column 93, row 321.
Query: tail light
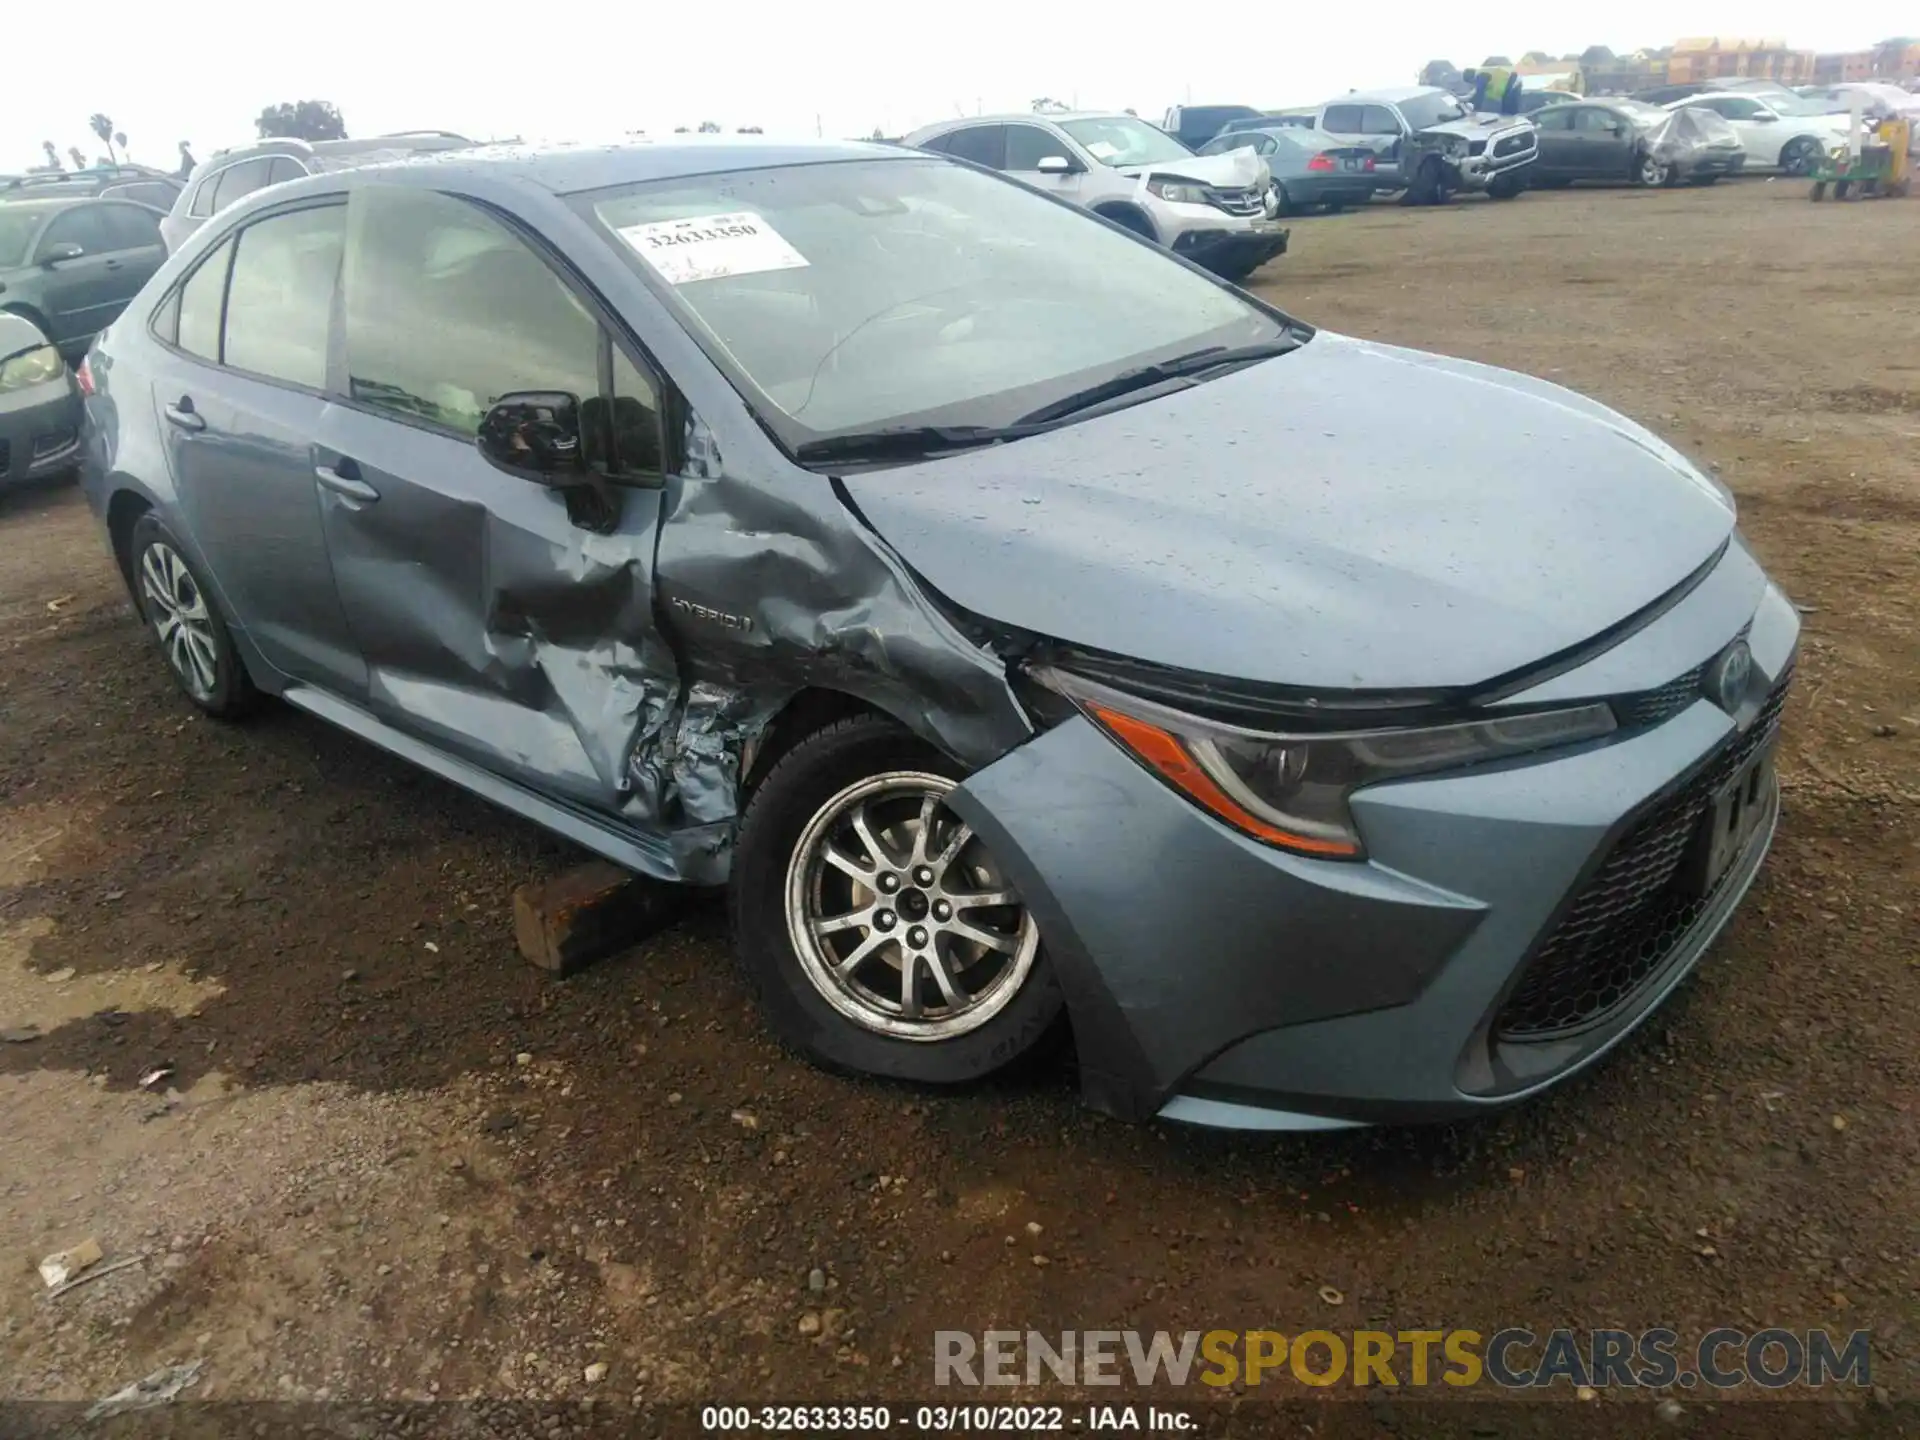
column 1320, row 162
column 84, row 375
column 1369, row 164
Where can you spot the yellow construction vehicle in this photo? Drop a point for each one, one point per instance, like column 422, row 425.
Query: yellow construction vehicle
column 1884, row 165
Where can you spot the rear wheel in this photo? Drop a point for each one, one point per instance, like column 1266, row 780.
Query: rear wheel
column 193, row 636
column 879, row 933
column 1283, row 202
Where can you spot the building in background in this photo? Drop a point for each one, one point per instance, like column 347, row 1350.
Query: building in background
column 1715, row 57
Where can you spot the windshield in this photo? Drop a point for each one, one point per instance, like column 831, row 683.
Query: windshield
column 1435, row 108
column 16, row 233
column 848, row 297
column 1782, row 103
column 1123, row 140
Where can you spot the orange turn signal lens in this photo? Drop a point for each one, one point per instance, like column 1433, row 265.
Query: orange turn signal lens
column 1163, row 752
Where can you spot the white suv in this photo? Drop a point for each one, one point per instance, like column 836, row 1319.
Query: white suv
column 1217, row 210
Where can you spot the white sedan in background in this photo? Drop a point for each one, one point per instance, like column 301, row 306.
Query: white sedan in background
column 1778, row 132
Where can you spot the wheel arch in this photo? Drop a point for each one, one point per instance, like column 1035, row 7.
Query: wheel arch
column 1129, row 216
column 123, row 513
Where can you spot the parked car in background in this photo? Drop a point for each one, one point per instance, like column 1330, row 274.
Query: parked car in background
column 39, row 405
column 1022, row 625
column 1432, row 143
column 70, row 265
column 1773, row 135
column 1879, row 99
column 233, row 174
column 1216, row 209
column 1300, row 117
column 1194, row 125
column 1532, row 101
column 118, row 182
column 1310, row 167
column 1667, row 94
column 1629, row 140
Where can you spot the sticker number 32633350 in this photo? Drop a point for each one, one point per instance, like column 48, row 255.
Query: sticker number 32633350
column 712, row 247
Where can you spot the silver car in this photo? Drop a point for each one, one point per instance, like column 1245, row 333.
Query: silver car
column 1215, row 209
column 232, row 175
column 1029, row 630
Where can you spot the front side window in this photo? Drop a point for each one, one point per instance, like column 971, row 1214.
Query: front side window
column 85, row 226
column 858, row 295
column 17, row 225
column 1027, row 145
column 447, row 310
column 280, row 301
column 1594, row 121
column 1378, row 120
column 131, row 227
column 1124, row 140
column 201, row 298
column 1557, row 117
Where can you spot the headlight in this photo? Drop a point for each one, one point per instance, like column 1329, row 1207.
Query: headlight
column 1293, row 790
column 31, row 367
column 1178, row 193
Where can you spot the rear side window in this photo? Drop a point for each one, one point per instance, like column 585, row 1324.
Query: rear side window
column 448, row 310
column 237, row 182
column 982, row 144
column 284, row 168
column 131, row 227
column 1555, row 117
column 202, row 203
column 1343, row 120
column 201, row 299
column 280, row 301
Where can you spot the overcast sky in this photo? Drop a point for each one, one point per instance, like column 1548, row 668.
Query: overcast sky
column 586, row 69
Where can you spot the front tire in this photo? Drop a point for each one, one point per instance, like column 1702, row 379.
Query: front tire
column 1507, row 188
column 1801, row 157
column 1651, row 173
column 877, row 932
column 178, row 606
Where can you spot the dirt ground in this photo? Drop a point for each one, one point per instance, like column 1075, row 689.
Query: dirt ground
column 392, row 1161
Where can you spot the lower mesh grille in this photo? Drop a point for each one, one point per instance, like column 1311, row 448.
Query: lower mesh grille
column 1633, row 912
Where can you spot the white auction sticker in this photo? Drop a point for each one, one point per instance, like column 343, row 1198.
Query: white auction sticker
column 711, row 247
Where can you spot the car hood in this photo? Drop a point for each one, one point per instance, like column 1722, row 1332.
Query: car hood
column 1235, row 170
column 1349, row 516
column 1478, row 127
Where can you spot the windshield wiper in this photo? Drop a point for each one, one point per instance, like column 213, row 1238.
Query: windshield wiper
column 907, row 442
column 1142, row 376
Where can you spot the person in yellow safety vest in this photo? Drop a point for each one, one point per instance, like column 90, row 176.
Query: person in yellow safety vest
column 1496, row 88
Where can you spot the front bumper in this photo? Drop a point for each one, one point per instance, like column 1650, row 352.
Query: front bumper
column 1233, row 250
column 1214, row 979
column 1477, row 172
column 39, row 431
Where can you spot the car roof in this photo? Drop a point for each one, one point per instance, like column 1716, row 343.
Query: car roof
column 1391, row 95
column 1053, row 117
column 50, row 204
column 569, row 169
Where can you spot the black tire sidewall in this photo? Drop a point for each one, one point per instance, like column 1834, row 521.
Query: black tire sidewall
column 232, row 691
column 798, row 785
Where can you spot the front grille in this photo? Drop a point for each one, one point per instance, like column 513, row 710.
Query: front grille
column 1512, row 145
column 1636, row 908
column 1236, row 202
column 1655, row 707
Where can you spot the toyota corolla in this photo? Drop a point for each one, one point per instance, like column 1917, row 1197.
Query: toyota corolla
column 1031, row 630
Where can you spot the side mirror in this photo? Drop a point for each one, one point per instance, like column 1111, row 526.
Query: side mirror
column 535, row 435
column 65, row 250
column 1056, row 165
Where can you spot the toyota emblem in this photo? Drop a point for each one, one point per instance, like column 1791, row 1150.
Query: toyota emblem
column 1729, row 676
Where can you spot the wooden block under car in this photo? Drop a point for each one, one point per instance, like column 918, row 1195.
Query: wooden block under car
column 566, row 923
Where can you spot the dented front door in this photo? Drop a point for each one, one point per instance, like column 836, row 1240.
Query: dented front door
column 494, row 624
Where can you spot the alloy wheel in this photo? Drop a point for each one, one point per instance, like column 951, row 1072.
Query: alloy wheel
column 180, row 617
column 1652, row 172
column 899, row 916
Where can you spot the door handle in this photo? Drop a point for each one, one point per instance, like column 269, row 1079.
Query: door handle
column 343, row 478
column 113, row 264
column 184, row 415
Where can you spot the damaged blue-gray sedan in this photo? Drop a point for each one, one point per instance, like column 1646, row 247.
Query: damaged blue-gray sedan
column 1027, row 627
